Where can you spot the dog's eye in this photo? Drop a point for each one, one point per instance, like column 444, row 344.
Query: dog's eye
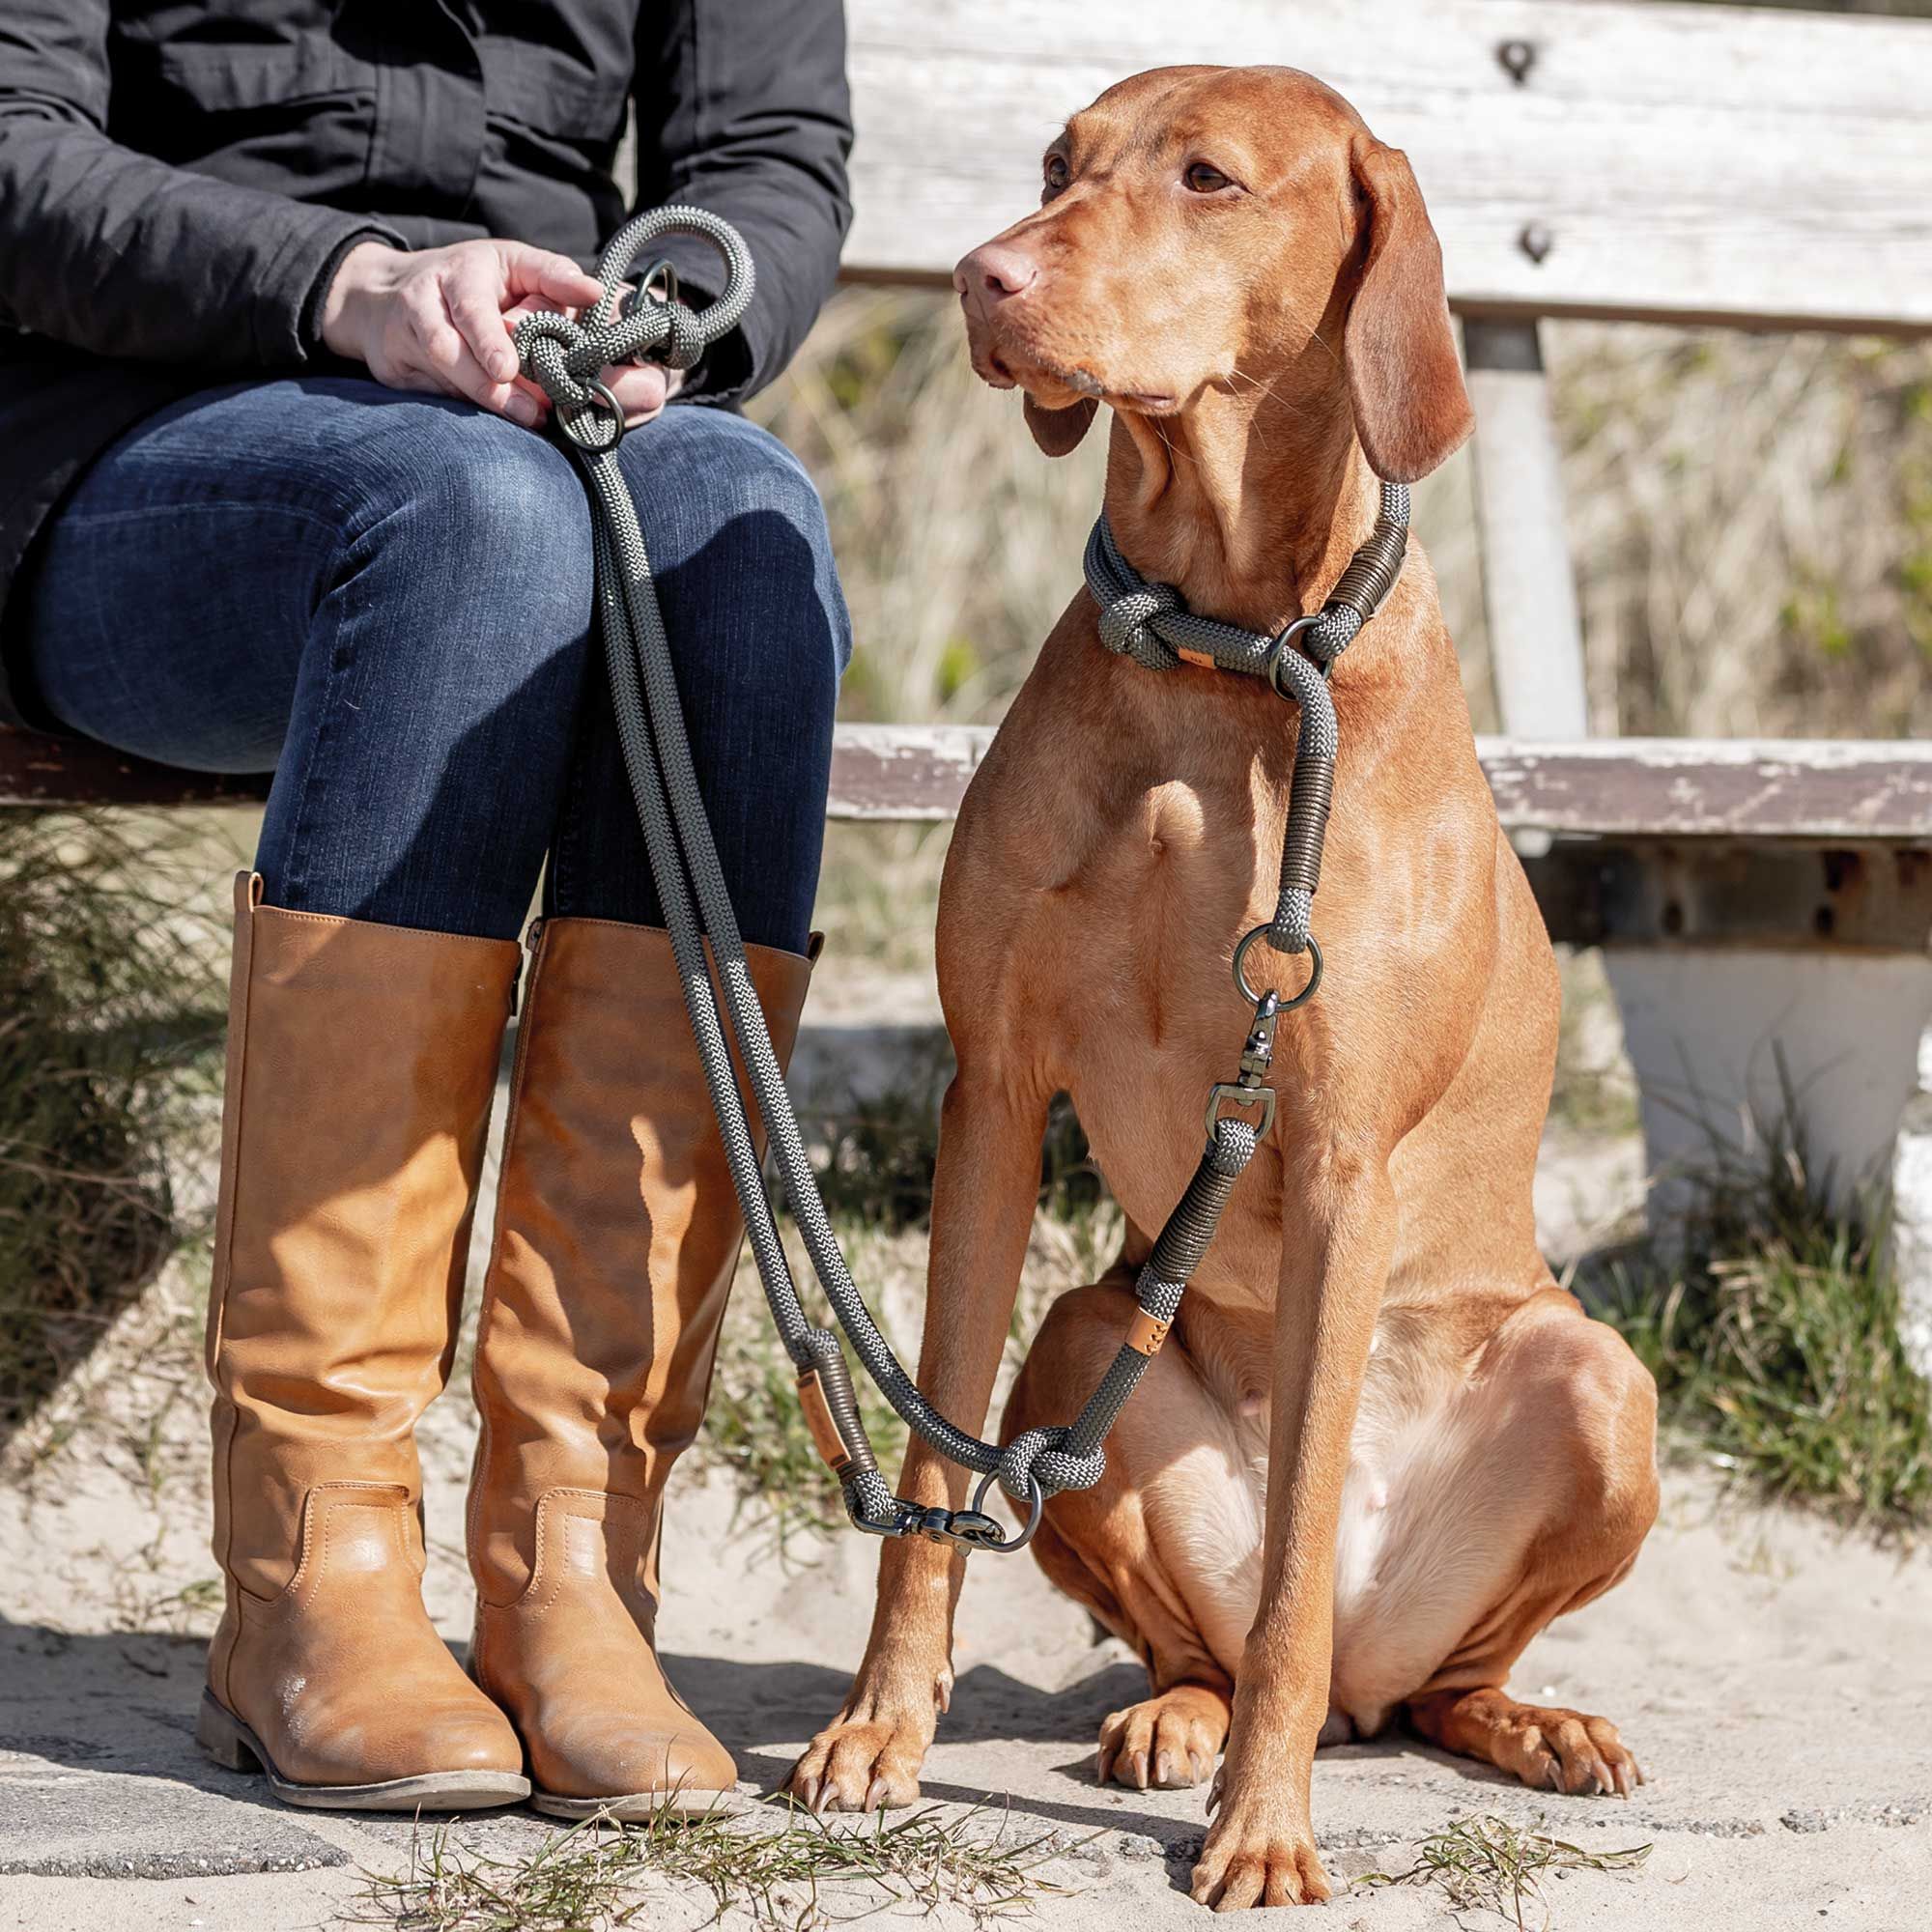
column 1201, row 179
column 1058, row 175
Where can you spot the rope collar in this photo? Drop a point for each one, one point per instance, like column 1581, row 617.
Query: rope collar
column 1151, row 624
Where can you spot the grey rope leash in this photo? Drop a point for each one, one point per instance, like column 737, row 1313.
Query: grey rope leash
column 564, row 355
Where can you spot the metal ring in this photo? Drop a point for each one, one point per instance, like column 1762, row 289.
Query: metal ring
column 1025, row 1536
column 1271, row 664
column 1248, row 993
column 663, row 266
column 600, row 393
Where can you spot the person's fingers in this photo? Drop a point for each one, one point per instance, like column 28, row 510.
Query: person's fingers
column 446, row 355
column 475, row 307
column 540, row 271
column 641, row 389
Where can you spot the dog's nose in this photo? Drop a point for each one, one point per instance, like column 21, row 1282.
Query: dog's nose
column 994, row 272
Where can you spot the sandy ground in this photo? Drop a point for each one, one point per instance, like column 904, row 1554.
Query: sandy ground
column 1774, row 1677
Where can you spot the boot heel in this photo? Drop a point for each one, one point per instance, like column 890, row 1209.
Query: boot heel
column 221, row 1735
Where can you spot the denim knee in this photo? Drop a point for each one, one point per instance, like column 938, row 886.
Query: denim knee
column 475, row 536
column 726, row 507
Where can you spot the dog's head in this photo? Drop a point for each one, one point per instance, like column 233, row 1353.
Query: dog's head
column 1197, row 226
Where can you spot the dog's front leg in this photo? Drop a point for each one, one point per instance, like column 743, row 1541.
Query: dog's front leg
column 985, row 1189
column 1261, row 1850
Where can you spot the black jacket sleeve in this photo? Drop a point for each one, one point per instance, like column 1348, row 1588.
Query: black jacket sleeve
column 743, row 109
column 105, row 249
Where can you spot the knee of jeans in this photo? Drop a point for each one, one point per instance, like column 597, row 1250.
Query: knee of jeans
column 480, row 534
column 717, row 492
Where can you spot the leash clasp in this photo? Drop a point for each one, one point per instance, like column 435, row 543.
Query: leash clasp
column 1248, row 1090
column 967, row 1529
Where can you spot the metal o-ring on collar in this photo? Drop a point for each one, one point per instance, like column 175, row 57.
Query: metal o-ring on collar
column 1025, row 1536
column 1271, row 664
column 1249, row 993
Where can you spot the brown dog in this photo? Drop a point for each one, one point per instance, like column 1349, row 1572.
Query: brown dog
column 1383, row 1449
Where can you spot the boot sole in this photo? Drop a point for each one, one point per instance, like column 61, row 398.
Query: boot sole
column 232, row 1746
column 640, row 1807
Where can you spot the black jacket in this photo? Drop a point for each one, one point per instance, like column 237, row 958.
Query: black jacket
column 179, row 177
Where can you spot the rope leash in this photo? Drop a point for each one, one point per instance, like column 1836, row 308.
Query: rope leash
column 564, row 355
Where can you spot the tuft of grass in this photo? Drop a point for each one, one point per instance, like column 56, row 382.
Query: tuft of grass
column 110, row 1010
column 595, row 1877
column 1485, row 1864
column 1771, row 1324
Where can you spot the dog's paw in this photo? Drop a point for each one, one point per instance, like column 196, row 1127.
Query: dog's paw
column 1169, row 1742
column 860, row 1767
column 1556, row 1750
column 1254, row 1856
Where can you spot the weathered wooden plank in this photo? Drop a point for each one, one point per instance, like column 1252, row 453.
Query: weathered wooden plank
column 904, row 771
column 1814, row 790
column 1529, row 592
column 1681, row 162
column 1854, row 792
column 1716, row 893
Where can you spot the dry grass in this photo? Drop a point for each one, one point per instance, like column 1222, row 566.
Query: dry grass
column 1771, row 1321
column 111, row 1016
column 598, row 1876
column 1488, row 1864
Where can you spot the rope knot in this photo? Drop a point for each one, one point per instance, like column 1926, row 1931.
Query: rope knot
column 1035, row 1456
column 1128, row 624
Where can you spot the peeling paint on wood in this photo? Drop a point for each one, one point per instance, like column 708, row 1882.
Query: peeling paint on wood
column 1807, row 791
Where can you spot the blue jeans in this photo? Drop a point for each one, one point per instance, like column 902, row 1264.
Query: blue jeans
column 385, row 600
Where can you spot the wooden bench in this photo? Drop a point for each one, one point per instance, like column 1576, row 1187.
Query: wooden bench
column 1654, row 162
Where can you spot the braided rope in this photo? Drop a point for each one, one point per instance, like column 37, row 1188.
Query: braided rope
column 563, row 354
column 563, row 357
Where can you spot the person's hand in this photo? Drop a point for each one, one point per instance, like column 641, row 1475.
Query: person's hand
column 438, row 319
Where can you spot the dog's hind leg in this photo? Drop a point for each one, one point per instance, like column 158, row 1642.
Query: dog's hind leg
column 1165, row 1550
column 1524, row 1496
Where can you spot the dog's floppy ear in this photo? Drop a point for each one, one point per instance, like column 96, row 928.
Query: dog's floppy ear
column 1058, row 432
column 1412, row 410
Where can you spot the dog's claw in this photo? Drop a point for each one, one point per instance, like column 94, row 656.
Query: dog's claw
column 1167, row 1743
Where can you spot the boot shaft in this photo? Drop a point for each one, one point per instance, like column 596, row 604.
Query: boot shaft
column 617, row 1233
column 361, row 1063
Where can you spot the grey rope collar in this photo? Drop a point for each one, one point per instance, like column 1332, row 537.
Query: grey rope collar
column 564, row 357
column 1151, row 624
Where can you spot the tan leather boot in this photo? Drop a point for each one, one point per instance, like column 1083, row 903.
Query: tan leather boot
column 361, row 1061
column 617, row 1232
